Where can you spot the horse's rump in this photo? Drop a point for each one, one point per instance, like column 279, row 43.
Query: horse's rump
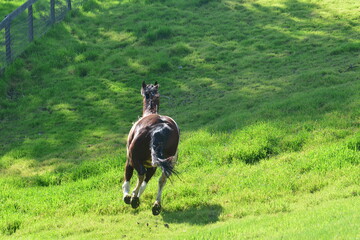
column 151, row 136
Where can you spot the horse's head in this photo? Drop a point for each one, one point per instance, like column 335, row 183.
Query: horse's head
column 151, row 97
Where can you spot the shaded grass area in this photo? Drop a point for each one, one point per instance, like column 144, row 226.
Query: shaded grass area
column 324, row 221
column 266, row 94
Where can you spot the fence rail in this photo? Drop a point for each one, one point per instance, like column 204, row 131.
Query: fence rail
column 29, row 21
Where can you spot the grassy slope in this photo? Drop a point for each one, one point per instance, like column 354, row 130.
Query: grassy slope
column 7, row 6
column 266, row 94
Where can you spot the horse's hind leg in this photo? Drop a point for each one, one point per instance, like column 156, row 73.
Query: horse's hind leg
column 156, row 209
column 126, row 186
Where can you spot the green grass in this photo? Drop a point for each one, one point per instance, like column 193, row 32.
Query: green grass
column 266, row 94
column 7, row 6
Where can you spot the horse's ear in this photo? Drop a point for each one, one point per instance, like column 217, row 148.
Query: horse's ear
column 143, row 87
column 156, row 83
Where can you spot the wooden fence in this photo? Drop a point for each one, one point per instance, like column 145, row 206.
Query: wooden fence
column 11, row 34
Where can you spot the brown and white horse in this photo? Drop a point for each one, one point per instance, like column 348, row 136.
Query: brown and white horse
column 152, row 143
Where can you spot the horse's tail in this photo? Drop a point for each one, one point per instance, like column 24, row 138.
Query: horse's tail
column 159, row 137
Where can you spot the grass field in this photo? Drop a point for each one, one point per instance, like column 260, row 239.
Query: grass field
column 266, row 94
column 7, row 6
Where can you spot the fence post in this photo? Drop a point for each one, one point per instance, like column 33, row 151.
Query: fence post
column 31, row 23
column 8, row 41
column 69, row 4
column 52, row 11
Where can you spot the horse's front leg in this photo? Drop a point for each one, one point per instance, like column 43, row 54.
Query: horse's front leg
column 156, row 209
column 140, row 187
column 135, row 198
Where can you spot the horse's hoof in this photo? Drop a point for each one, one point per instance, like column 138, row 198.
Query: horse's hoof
column 127, row 199
column 135, row 202
column 156, row 209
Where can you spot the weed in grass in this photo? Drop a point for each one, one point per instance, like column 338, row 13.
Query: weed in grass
column 180, row 50
column 91, row 6
column 11, row 227
column 158, row 34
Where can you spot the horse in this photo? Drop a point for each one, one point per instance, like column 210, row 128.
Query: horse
column 152, row 142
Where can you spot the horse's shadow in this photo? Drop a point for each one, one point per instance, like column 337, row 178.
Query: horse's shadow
column 199, row 215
